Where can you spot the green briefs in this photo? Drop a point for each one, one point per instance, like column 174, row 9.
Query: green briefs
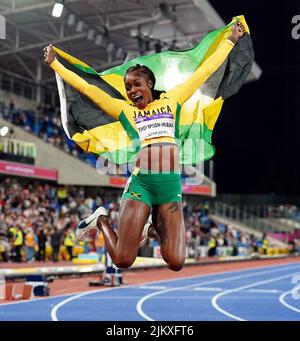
column 154, row 189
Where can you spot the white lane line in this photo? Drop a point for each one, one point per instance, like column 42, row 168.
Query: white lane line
column 41, row 299
column 287, row 305
column 152, row 287
column 139, row 306
column 207, row 289
column 265, row 291
column 72, row 298
column 235, row 317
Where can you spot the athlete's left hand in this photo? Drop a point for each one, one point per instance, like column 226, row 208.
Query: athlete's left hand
column 237, row 31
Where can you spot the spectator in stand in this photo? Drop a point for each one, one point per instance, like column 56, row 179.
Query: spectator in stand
column 18, row 241
column 62, row 195
column 253, row 244
column 4, row 249
column 212, row 246
column 42, row 238
column 297, row 246
column 55, row 244
column 11, row 106
column 235, row 249
column 30, row 244
column 220, row 240
column 265, row 244
column 69, row 242
column 99, row 243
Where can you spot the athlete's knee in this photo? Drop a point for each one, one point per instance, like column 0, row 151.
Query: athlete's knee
column 123, row 264
column 123, row 260
column 176, row 267
column 176, row 264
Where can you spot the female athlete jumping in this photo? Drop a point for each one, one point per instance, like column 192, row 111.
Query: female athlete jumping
column 156, row 182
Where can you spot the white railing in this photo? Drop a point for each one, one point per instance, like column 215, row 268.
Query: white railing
column 236, row 214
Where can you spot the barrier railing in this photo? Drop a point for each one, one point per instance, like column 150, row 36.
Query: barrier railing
column 242, row 216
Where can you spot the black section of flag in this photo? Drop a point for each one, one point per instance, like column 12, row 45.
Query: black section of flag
column 93, row 79
column 82, row 113
column 240, row 62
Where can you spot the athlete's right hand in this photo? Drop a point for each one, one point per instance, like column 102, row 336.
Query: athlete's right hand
column 49, row 54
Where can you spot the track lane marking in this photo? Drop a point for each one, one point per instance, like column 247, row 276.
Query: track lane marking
column 287, row 305
column 139, row 306
column 226, row 292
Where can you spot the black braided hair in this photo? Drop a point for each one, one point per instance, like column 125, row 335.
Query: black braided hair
column 148, row 72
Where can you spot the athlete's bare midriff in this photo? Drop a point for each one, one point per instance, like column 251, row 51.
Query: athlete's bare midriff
column 162, row 157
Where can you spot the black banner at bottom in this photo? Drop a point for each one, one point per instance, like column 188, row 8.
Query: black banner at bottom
column 152, row 330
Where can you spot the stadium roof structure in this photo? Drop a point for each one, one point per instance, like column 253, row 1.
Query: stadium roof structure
column 103, row 33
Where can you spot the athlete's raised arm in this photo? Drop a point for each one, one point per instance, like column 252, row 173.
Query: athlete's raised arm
column 110, row 105
column 185, row 90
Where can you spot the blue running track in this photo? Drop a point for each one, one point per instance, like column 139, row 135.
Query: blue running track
column 261, row 294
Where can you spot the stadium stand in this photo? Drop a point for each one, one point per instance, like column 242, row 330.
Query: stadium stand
column 45, row 123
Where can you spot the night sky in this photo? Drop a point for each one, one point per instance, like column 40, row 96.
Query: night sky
column 257, row 136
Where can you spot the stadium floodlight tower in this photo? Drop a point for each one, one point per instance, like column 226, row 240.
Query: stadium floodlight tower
column 58, row 8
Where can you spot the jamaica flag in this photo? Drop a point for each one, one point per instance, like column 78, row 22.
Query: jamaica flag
column 96, row 132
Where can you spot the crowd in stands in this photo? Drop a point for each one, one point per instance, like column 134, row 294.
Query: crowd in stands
column 217, row 238
column 45, row 123
column 37, row 217
column 38, row 220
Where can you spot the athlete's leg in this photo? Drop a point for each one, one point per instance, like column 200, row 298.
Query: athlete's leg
column 169, row 223
column 123, row 246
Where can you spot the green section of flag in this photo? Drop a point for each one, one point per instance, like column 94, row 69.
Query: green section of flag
column 181, row 62
column 184, row 61
column 86, row 69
